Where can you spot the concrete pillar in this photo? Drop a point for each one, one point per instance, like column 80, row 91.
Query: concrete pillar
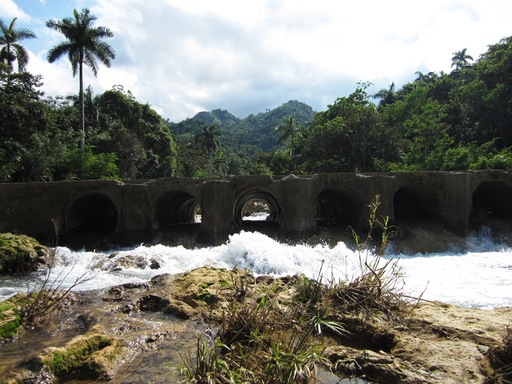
column 217, row 210
column 457, row 205
column 134, row 212
column 298, row 206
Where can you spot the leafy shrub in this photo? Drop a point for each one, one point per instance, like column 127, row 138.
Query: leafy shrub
column 83, row 164
column 503, row 160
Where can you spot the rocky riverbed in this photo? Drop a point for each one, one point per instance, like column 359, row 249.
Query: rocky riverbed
column 139, row 333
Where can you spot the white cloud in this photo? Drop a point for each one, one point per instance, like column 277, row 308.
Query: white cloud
column 57, row 77
column 185, row 56
column 245, row 13
column 9, row 10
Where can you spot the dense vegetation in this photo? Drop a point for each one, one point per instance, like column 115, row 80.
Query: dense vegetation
column 456, row 121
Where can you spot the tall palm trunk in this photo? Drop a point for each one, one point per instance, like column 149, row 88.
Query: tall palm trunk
column 81, row 101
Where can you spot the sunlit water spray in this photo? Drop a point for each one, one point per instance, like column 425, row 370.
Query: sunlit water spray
column 481, row 277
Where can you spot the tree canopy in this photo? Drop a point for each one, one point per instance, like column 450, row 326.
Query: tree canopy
column 438, row 122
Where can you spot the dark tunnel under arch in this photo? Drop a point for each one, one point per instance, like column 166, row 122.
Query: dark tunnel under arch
column 92, row 213
column 492, row 199
column 176, row 208
column 415, row 200
column 338, row 206
column 266, row 198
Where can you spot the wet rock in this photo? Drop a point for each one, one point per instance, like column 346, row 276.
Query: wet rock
column 125, row 262
column 39, row 375
column 125, row 292
column 86, row 320
column 152, row 303
column 113, row 254
column 155, row 264
column 115, row 262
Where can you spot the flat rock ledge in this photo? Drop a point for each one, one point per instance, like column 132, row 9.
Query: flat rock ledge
column 107, row 333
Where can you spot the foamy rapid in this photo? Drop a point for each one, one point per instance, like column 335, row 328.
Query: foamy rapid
column 480, row 278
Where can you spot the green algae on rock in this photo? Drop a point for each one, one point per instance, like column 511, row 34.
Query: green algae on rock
column 21, row 254
column 10, row 320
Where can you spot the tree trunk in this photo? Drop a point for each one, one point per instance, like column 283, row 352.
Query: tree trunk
column 81, row 102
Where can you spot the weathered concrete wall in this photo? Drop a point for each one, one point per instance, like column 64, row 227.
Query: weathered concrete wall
column 140, row 208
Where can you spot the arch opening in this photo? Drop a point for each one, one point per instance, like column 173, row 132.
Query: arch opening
column 257, row 206
column 91, row 213
column 255, row 210
column 177, row 208
column 415, row 200
column 491, row 199
column 338, row 207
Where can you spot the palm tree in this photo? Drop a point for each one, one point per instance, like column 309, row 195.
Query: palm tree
column 83, row 46
column 208, row 138
column 460, row 59
column 288, row 129
column 386, row 96
column 12, row 50
column 210, row 135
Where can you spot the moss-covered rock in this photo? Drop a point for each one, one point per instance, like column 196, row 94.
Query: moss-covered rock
column 91, row 356
column 21, row 254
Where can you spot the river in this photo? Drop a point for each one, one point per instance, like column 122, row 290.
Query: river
column 480, row 275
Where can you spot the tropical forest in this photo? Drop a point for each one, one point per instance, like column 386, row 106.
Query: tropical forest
column 454, row 121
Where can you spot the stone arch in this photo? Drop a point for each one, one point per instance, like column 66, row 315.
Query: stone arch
column 92, row 212
column 263, row 197
column 416, row 200
column 338, row 206
column 176, row 208
column 492, row 199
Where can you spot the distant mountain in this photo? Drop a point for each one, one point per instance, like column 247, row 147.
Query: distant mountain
column 253, row 134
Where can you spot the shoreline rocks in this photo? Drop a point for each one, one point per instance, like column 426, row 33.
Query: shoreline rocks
column 158, row 322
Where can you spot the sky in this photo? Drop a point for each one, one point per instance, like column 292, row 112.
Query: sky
column 186, row 56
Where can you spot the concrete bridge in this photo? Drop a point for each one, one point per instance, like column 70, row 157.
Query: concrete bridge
column 131, row 211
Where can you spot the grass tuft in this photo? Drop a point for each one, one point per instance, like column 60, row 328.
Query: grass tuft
column 259, row 343
column 500, row 359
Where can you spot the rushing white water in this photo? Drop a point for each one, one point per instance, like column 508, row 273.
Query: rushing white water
column 481, row 277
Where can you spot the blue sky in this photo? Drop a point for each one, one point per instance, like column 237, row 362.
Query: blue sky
column 183, row 57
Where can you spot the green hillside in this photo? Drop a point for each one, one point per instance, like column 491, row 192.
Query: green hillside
column 255, row 133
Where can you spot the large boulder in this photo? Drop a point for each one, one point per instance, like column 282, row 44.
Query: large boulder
column 20, row 254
